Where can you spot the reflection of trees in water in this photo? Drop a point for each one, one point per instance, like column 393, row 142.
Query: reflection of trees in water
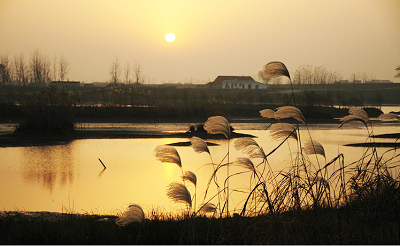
column 47, row 164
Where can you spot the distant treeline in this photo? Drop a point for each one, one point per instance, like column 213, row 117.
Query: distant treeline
column 143, row 101
column 145, row 96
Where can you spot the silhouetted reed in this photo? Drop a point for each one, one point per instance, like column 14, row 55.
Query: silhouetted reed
column 134, row 213
column 304, row 183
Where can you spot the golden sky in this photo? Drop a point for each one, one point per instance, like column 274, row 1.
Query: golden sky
column 235, row 37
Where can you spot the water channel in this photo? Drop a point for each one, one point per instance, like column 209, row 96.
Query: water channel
column 69, row 177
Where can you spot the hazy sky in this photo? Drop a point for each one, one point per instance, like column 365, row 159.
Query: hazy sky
column 235, row 37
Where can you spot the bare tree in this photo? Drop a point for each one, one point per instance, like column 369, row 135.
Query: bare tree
column 353, row 77
column 334, row 77
column 303, row 75
column 5, row 70
column 63, row 68
column 307, row 74
column 127, row 73
column 115, row 71
column 138, row 73
column 21, row 77
column 35, row 66
column 362, row 77
column 46, row 69
column 55, row 68
column 40, row 68
column 320, row 75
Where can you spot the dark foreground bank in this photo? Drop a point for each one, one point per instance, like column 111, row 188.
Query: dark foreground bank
column 348, row 225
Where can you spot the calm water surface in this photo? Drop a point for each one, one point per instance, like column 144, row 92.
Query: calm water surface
column 70, row 177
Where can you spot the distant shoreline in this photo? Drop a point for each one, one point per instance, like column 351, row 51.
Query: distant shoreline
column 26, row 140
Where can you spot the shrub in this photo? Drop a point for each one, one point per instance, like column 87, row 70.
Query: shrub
column 50, row 112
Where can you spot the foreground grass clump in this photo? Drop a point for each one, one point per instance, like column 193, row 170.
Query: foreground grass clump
column 347, row 225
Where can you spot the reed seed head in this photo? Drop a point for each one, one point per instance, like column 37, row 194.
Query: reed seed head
column 314, row 147
column 289, row 112
column 134, row 213
column 267, row 113
column 280, row 131
column 190, row 176
column 351, row 119
column 275, row 69
column 199, row 145
column 208, row 208
column 179, row 193
column 249, row 146
column 168, row 154
column 217, row 125
column 359, row 112
column 246, row 163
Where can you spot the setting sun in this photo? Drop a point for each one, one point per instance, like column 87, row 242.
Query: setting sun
column 170, row 37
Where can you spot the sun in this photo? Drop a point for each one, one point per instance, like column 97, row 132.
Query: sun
column 170, row 37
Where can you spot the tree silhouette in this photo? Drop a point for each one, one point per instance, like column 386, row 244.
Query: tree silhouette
column 138, row 73
column 64, row 67
column 40, row 68
column 20, row 68
column 115, row 71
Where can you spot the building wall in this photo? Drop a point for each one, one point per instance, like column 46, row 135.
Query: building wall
column 252, row 85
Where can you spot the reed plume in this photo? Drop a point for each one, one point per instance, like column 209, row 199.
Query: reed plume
column 208, row 208
column 190, row 176
column 267, row 113
column 281, row 131
column 289, row 112
column 218, row 125
column 199, row 145
column 313, row 147
column 359, row 112
column 134, row 213
column 283, row 112
column 168, row 154
column 179, row 193
column 275, row 69
column 246, row 163
column 351, row 119
column 249, row 146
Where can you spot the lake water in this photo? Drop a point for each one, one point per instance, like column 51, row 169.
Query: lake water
column 71, row 178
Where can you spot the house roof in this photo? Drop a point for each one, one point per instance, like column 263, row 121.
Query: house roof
column 218, row 81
